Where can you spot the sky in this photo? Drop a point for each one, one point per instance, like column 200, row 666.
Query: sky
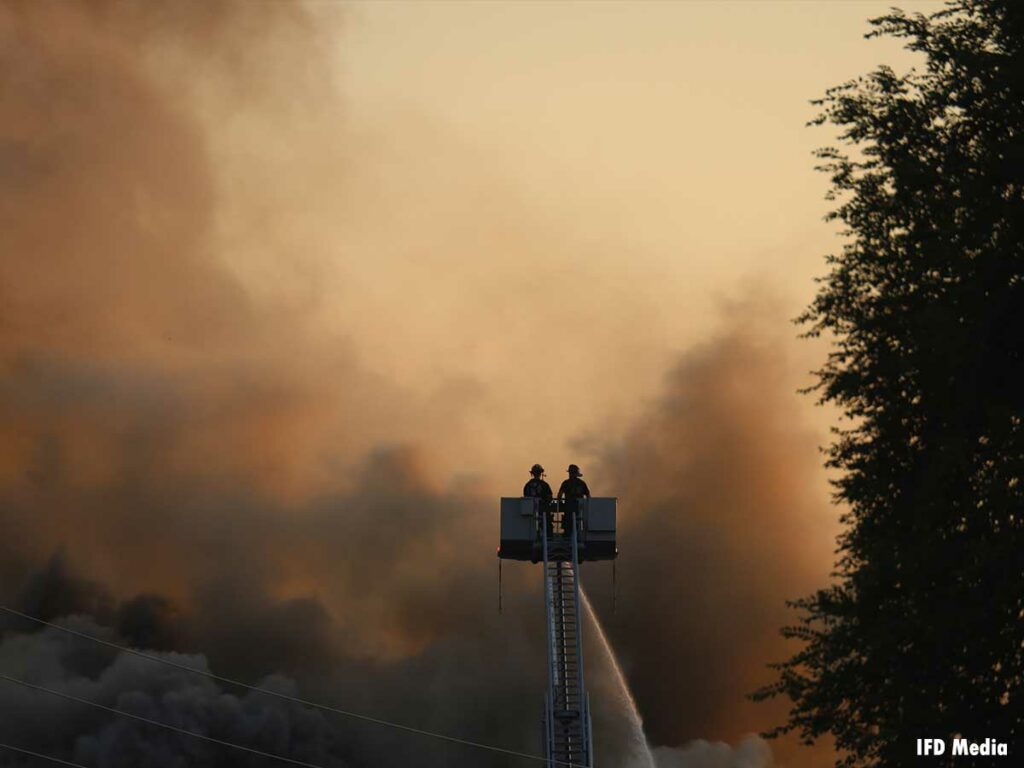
column 293, row 292
column 648, row 162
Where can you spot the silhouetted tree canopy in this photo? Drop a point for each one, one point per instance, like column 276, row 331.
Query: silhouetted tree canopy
column 921, row 633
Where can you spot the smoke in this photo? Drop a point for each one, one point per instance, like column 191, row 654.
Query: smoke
column 722, row 520
column 751, row 752
column 55, row 661
column 217, row 470
column 257, row 402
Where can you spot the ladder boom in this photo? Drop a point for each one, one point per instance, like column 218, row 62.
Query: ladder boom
column 567, row 716
column 535, row 530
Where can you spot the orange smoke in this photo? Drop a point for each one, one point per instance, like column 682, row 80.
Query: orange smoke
column 249, row 383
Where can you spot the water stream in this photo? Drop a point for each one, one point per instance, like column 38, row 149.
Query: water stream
column 642, row 756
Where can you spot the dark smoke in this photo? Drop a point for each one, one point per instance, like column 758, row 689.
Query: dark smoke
column 722, row 521
column 67, row 729
column 419, row 651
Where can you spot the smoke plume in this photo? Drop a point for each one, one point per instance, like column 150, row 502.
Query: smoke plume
column 722, row 521
column 153, row 691
column 256, row 408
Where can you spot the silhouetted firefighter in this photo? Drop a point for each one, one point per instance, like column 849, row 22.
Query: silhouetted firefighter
column 537, row 487
column 570, row 492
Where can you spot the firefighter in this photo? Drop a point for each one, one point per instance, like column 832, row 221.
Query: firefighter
column 571, row 491
column 537, row 487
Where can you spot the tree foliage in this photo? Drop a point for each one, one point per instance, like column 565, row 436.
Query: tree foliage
column 921, row 633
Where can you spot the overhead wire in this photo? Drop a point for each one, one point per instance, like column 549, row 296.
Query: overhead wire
column 40, row 755
column 275, row 694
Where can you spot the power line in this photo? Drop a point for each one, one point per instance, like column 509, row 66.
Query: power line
column 40, row 755
column 286, row 697
column 158, row 724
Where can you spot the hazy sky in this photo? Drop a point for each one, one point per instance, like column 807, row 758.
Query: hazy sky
column 643, row 161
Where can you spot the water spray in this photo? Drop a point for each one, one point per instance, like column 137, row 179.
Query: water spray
column 642, row 750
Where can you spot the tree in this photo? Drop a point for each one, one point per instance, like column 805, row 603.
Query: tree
column 921, row 633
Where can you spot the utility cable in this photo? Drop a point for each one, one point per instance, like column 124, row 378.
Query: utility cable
column 40, row 755
column 286, row 697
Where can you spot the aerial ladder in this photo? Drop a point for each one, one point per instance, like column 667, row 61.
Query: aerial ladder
column 538, row 531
